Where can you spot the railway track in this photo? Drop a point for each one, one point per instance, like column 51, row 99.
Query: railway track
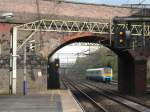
column 121, row 98
column 138, row 99
column 81, row 95
column 113, row 82
column 131, row 105
column 143, row 100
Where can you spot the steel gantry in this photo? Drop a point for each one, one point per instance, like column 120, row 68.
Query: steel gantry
column 79, row 26
column 64, row 26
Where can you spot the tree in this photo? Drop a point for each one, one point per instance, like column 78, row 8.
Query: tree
column 100, row 58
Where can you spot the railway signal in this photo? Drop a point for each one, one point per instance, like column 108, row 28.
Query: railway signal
column 57, row 63
column 122, row 39
column 32, row 45
column 27, row 49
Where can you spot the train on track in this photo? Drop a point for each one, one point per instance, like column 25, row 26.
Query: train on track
column 104, row 74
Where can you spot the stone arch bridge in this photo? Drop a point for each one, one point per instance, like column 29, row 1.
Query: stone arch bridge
column 91, row 23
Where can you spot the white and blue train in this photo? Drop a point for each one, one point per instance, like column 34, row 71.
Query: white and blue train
column 101, row 74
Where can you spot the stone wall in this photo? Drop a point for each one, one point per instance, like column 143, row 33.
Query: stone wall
column 4, row 81
column 36, row 81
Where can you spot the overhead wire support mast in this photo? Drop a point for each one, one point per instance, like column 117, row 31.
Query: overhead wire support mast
column 39, row 18
column 10, row 69
column 14, row 60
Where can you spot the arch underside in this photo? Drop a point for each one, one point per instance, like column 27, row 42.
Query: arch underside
column 90, row 38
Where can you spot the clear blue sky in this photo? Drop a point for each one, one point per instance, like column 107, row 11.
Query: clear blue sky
column 112, row 2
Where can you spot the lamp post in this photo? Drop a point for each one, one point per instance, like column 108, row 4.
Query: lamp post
column 25, row 72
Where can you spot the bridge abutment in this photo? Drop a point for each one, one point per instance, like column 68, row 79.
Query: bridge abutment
column 132, row 71
column 53, row 75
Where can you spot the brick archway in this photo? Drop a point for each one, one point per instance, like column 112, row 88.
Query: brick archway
column 81, row 37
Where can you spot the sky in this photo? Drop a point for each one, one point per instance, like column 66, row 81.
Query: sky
column 70, row 53
column 112, row 2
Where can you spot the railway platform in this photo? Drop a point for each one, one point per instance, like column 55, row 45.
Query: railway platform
column 49, row 101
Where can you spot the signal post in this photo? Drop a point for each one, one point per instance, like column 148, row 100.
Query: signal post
column 132, row 59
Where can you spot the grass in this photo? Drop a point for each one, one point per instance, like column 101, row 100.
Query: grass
column 148, row 81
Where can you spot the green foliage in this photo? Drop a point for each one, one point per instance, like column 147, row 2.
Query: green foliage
column 100, row 58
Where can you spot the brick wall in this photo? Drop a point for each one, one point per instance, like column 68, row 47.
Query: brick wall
column 26, row 10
